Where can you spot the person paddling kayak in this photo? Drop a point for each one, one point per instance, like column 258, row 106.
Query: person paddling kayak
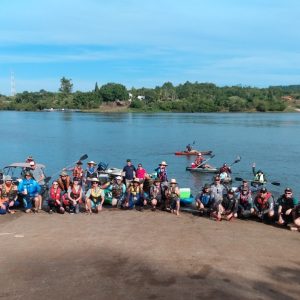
column 198, row 163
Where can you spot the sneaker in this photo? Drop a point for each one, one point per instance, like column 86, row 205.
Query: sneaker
column 50, row 211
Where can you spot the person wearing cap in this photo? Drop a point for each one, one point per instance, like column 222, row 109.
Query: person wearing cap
column 29, row 159
column 74, row 197
column 286, row 207
column 245, row 202
column 135, row 196
column 173, row 197
column 8, row 196
column 30, row 190
column 229, row 206
column 244, row 185
column 204, row 201
column 264, row 204
column 117, row 189
column 155, row 194
column 94, row 197
column 129, row 172
column 90, row 173
column 55, row 202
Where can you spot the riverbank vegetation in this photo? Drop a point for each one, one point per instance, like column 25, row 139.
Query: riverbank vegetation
column 186, row 97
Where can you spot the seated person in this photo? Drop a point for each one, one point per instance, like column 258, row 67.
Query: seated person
column 156, row 194
column 199, row 162
column 135, row 195
column 55, row 199
column 286, row 207
column 173, row 197
column 8, row 196
column 94, row 197
column 204, row 200
column 74, row 198
column 229, row 205
column 118, row 190
column 245, row 202
column 264, row 204
column 30, row 191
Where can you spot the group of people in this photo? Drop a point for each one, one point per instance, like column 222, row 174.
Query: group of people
column 84, row 190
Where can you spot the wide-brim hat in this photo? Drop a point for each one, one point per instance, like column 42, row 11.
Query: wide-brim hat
column 63, row 173
column 91, row 163
column 7, row 178
column 173, row 181
column 118, row 178
column 163, row 163
column 206, row 186
column 94, row 179
column 28, row 173
column 136, row 180
column 156, row 180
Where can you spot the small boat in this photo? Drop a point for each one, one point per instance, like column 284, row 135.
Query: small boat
column 187, row 201
column 186, row 198
column 112, row 172
column 203, row 170
column 193, row 152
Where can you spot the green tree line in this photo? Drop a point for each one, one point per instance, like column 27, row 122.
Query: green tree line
column 186, row 97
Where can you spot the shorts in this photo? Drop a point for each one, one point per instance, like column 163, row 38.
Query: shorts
column 95, row 204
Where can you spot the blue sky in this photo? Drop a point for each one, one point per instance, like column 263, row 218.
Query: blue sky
column 146, row 43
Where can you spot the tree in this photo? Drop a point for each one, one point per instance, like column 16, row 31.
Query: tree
column 96, row 89
column 113, row 91
column 66, row 86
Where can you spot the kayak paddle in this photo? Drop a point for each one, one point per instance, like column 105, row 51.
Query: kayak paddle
column 272, row 182
column 212, row 156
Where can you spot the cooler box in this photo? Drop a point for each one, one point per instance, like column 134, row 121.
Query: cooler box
column 185, row 193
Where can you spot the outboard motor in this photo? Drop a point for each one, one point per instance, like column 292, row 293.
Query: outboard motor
column 102, row 166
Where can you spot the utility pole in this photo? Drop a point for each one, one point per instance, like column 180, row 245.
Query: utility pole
column 12, row 84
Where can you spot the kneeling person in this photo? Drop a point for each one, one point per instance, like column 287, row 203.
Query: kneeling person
column 204, row 200
column 94, row 197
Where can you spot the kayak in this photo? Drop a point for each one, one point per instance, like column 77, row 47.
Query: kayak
column 187, row 201
column 193, row 152
column 203, row 170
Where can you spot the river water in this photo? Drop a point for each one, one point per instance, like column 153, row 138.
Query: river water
column 57, row 139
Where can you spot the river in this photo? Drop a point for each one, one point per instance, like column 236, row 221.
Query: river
column 57, row 139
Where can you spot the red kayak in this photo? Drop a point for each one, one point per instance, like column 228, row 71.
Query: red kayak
column 193, row 152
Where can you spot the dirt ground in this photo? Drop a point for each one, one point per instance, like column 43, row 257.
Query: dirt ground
column 145, row 255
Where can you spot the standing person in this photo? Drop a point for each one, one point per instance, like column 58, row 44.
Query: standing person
column 204, row 200
column 30, row 189
column 94, row 197
column 129, row 172
column 173, row 197
column 264, row 204
column 245, row 202
column 78, row 171
column 55, row 202
column 244, row 186
column 218, row 191
column 1, row 176
column 74, row 196
column 8, row 196
column 162, row 174
column 140, row 173
column 155, row 194
column 90, row 173
column 286, row 207
column 39, row 176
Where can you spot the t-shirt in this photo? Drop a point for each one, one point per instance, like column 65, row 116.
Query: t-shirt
column 140, row 173
column 129, row 172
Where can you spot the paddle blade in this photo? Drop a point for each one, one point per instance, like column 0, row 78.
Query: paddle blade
column 238, row 179
column 275, row 183
column 83, row 157
column 47, row 179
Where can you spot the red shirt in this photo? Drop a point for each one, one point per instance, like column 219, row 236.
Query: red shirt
column 140, row 173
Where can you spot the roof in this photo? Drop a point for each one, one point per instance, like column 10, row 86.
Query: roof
column 24, row 165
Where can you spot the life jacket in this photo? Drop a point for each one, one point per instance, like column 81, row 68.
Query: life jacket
column 134, row 190
column 225, row 169
column 263, row 203
column 78, row 172
column 162, row 175
column 55, row 193
column 64, row 184
column 172, row 193
column 117, row 190
column 8, row 192
column 244, row 198
column 91, row 173
column 205, row 198
column 96, row 195
column 199, row 160
column 155, row 191
column 75, row 194
column 260, row 178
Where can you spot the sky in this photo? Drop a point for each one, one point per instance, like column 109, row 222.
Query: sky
column 146, row 43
